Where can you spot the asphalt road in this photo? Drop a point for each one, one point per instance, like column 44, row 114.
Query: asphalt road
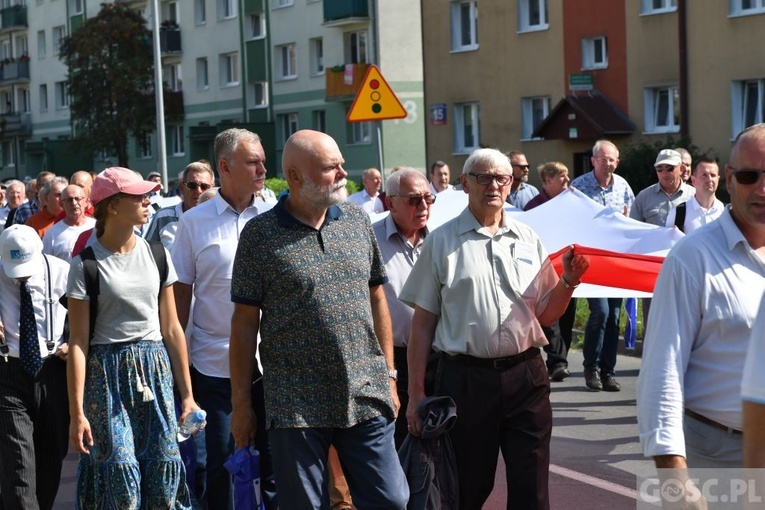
column 595, row 454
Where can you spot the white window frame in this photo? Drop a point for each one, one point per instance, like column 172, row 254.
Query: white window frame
column 319, row 118
column 22, row 46
column 316, row 48
column 280, row 4
column 9, row 153
column 529, row 121
column 647, row 7
column 170, row 12
column 741, row 97
column 229, row 69
column 173, row 77
column 257, row 26
column 651, row 106
column 177, row 140
column 460, row 143
column 357, row 47
column 360, row 133
column 288, row 125
column 736, row 8
column 252, row 94
column 459, row 25
column 203, row 74
column 524, row 15
column 24, row 100
column 227, row 9
column 42, row 45
column 286, row 60
column 200, row 12
column 62, row 95
column 59, row 33
column 143, row 145
column 43, row 97
column 590, row 59
column 76, row 7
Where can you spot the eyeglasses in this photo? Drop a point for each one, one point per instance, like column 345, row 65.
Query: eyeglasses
column 415, row 200
column 137, row 198
column 746, row 175
column 661, row 169
column 485, row 179
column 73, row 199
column 193, row 186
column 525, row 167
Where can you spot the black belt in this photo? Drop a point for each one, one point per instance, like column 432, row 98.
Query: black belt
column 496, row 363
column 703, row 419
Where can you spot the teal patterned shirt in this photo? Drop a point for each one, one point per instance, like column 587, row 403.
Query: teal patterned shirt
column 322, row 362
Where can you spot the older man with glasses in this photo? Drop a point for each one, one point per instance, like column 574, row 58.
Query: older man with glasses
column 196, row 178
column 482, row 289
column 706, row 300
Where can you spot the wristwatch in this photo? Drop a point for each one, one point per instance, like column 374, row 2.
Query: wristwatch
column 393, row 374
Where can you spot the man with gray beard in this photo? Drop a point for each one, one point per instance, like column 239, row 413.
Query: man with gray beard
column 326, row 342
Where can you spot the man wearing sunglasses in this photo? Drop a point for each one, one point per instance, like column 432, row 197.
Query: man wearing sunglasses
column 706, row 299
column 400, row 236
column 521, row 192
column 481, row 289
column 652, row 205
column 196, row 178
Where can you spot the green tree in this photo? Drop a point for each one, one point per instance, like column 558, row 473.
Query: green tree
column 110, row 80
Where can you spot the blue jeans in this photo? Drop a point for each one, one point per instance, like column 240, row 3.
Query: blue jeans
column 214, row 396
column 601, row 335
column 367, row 455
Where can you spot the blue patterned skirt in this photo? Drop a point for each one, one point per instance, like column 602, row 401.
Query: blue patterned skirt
column 134, row 461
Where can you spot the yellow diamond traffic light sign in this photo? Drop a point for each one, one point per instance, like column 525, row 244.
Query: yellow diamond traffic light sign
column 375, row 100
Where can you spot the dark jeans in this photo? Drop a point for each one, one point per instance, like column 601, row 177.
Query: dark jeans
column 500, row 409
column 34, row 430
column 559, row 338
column 601, row 335
column 214, row 396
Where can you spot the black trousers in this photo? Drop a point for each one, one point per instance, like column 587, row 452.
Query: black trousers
column 34, row 433
column 559, row 337
column 402, row 388
column 500, row 409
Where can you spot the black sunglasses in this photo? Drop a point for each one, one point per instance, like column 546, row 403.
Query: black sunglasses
column 416, row 199
column 746, row 175
column 194, row 185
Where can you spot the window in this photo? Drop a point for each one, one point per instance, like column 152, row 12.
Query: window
column 288, row 124
column 748, row 104
column 44, row 98
column 6, row 51
column 171, row 76
column 258, row 94
column 594, row 53
column 62, row 95
column 9, row 153
column 229, row 69
column 203, row 79
column 257, row 26
column 662, row 110
column 467, row 130
column 226, row 9
column 287, row 61
column 533, row 111
column 657, row 6
column 23, row 101
column 58, row 36
column 320, row 120
column 42, row 48
column 317, row 56
column 200, row 11
column 22, row 46
column 532, row 15
column 176, row 140
column 464, row 17
column 356, row 47
column 170, row 12
column 746, row 7
column 284, row 3
column 75, row 7
column 359, row 133
column 143, row 145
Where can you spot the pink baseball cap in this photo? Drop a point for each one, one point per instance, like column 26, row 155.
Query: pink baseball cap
column 120, row 180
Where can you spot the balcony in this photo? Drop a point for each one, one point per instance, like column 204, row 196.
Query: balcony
column 337, row 87
column 345, row 12
column 14, row 71
column 173, row 101
column 15, row 124
column 14, row 17
column 170, row 40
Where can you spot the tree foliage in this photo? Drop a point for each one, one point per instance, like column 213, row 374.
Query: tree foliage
column 110, row 80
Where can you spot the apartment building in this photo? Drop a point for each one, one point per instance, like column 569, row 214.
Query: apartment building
column 550, row 77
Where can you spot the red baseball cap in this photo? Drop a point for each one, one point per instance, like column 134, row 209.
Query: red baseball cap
column 120, row 180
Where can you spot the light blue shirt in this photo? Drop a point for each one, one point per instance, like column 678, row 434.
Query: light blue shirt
column 520, row 197
column 617, row 195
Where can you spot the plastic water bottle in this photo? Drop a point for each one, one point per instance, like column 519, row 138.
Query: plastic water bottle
column 193, row 423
